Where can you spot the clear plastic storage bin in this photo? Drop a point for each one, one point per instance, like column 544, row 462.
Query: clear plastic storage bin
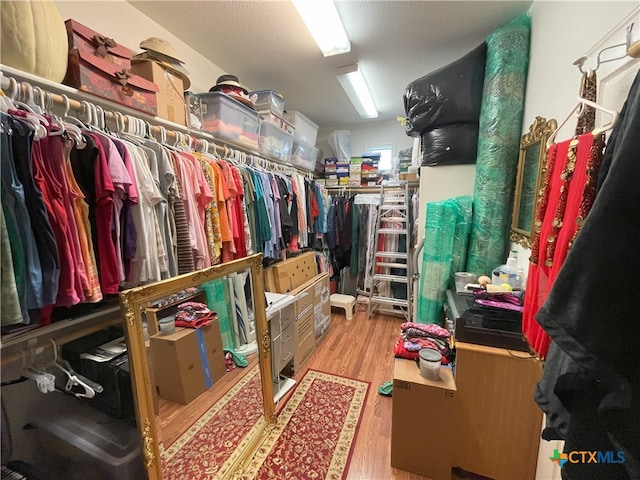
column 82, row 443
column 277, row 120
column 306, row 130
column 269, row 100
column 304, row 155
column 229, row 119
column 274, row 141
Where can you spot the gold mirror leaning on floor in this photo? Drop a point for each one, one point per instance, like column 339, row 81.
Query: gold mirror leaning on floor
column 529, row 179
column 162, row 422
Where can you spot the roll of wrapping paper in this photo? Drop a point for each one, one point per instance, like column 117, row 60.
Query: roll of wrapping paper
column 498, row 144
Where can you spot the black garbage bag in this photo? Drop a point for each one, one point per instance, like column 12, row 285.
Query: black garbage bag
column 450, row 145
column 448, row 95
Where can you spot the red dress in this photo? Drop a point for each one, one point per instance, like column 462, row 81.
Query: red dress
column 570, row 180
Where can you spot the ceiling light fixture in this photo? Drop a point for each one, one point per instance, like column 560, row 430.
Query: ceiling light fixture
column 324, row 24
column 355, row 86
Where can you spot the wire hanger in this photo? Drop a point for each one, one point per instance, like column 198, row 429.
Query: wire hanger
column 628, row 51
column 577, row 110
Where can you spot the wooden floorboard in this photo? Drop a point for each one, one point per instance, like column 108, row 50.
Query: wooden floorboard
column 362, row 348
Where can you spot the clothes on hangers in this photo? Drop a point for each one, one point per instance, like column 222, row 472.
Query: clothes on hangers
column 123, row 210
column 590, row 389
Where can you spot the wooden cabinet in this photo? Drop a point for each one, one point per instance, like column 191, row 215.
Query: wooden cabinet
column 497, row 420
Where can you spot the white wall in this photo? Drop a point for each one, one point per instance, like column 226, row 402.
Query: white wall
column 367, row 135
column 128, row 26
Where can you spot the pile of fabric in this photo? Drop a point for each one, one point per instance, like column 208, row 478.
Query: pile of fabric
column 416, row 336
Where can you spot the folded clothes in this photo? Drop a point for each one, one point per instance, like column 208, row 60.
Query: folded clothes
column 194, row 315
column 430, row 329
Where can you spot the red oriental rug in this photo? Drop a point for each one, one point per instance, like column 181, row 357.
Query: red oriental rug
column 198, row 454
column 315, row 432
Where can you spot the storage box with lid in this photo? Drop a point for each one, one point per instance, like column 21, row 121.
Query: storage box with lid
column 304, row 155
column 100, row 66
column 274, row 141
column 81, row 442
column 306, row 130
column 269, row 100
column 277, row 120
column 229, row 119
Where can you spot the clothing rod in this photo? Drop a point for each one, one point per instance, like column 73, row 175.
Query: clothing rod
column 26, row 82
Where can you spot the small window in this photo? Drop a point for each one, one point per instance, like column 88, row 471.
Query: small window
column 386, row 152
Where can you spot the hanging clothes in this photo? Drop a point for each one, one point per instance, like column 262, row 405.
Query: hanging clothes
column 590, row 389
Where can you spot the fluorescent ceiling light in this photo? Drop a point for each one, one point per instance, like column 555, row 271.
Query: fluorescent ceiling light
column 356, row 89
column 325, row 26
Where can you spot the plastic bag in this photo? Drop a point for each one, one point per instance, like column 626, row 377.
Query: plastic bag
column 450, row 145
column 452, row 94
column 340, row 142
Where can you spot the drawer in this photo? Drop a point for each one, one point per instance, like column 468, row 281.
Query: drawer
column 282, row 349
column 281, row 319
column 304, row 327
column 304, row 348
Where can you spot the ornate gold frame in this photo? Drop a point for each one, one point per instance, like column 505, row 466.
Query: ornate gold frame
column 538, row 133
column 132, row 301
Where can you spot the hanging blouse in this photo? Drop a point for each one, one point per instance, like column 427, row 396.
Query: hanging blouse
column 95, row 171
column 15, row 206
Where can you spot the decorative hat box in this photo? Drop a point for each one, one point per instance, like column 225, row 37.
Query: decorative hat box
column 100, row 66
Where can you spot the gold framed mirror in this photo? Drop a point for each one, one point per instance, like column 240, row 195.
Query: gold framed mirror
column 529, row 179
column 163, row 422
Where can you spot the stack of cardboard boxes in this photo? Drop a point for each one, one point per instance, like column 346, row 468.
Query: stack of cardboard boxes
column 299, row 276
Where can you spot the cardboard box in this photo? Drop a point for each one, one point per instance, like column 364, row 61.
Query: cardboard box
column 322, row 305
column 319, row 298
column 422, row 444
column 305, row 341
column 294, row 272
column 170, row 95
column 187, row 362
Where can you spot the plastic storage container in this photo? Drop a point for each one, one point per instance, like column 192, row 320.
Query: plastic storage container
column 274, row 141
column 269, row 100
column 277, row 120
column 82, row 443
column 430, row 360
column 229, row 119
column 304, row 155
column 306, row 130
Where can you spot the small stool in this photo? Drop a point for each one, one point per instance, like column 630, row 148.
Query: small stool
column 348, row 302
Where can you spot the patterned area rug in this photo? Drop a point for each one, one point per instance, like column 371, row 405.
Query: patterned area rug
column 198, row 454
column 315, row 432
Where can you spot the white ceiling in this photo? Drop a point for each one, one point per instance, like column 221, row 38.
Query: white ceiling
column 266, row 44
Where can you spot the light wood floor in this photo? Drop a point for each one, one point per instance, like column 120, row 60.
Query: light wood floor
column 360, row 348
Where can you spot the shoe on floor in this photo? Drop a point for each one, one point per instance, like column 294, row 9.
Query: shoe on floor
column 386, row 389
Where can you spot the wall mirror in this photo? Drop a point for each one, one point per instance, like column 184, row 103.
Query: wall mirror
column 529, row 179
column 167, row 426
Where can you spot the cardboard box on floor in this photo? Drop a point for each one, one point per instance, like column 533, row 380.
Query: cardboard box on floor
column 187, row 362
column 314, row 294
column 170, row 95
column 283, row 277
column 422, row 421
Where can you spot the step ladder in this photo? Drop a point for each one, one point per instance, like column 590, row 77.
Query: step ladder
column 392, row 265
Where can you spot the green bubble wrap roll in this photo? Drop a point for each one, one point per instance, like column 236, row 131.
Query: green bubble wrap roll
column 447, row 228
column 498, row 144
column 217, row 293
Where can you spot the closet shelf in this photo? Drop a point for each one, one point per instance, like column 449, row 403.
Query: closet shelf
column 172, row 128
column 35, row 342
